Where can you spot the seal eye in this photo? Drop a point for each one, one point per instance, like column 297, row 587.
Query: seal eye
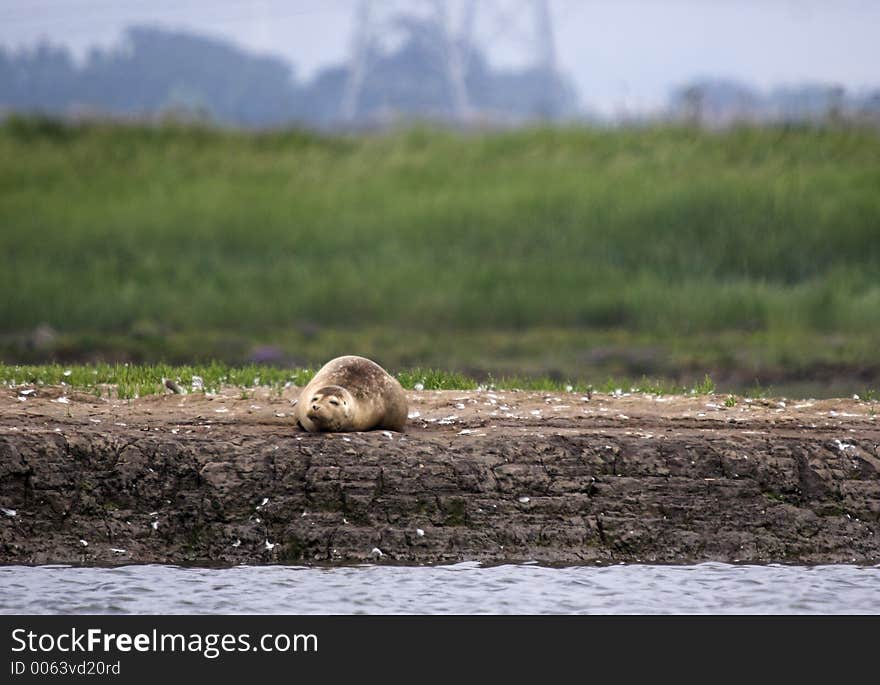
column 335, row 403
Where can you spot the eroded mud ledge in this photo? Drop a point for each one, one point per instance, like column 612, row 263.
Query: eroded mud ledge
column 494, row 477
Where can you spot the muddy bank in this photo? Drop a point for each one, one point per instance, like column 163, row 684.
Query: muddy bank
column 504, row 476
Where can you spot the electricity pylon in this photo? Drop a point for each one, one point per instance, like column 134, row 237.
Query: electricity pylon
column 462, row 25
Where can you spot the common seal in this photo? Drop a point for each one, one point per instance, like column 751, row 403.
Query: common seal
column 351, row 394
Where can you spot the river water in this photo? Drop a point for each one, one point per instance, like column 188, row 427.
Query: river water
column 466, row 588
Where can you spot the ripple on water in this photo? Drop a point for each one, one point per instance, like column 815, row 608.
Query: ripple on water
column 458, row 589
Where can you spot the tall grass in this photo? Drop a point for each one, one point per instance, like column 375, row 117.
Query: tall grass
column 114, row 229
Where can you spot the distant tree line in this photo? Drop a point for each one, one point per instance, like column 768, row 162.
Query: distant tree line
column 722, row 101
column 160, row 72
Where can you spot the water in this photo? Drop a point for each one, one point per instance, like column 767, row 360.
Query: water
column 466, row 588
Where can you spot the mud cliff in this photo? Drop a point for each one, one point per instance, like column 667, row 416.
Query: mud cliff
column 495, row 477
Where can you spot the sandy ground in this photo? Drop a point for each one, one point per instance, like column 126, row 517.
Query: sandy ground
column 468, row 414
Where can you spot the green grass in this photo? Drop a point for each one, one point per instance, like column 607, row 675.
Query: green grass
column 127, row 381
column 705, row 386
column 133, row 380
column 140, row 230
column 564, row 253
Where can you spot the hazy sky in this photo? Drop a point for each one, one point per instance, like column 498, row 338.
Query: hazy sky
column 622, row 54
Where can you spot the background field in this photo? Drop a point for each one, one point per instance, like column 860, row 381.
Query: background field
column 752, row 254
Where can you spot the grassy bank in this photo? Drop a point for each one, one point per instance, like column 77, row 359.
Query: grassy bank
column 108, row 228
column 750, row 248
column 794, row 363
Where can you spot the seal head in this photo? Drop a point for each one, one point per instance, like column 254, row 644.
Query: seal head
column 329, row 408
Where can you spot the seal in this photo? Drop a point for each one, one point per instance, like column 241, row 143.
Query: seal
column 351, row 394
